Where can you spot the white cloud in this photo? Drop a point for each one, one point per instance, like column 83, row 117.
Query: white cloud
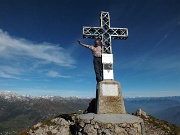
column 6, row 75
column 11, row 47
column 56, row 74
column 19, row 57
column 9, row 72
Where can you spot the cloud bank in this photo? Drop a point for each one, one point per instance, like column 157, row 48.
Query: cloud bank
column 36, row 54
column 55, row 74
column 11, row 46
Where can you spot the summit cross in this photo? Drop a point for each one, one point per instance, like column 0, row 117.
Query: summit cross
column 106, row 33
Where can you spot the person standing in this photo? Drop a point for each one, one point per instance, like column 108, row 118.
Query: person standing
column 97, row 61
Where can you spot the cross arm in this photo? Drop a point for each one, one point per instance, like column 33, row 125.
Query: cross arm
column 92, row 32
column 118, row 33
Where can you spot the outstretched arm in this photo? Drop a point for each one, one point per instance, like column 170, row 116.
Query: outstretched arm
column 85, row 45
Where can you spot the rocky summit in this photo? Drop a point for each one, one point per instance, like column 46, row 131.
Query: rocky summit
column 70, row 125
column 20, row 112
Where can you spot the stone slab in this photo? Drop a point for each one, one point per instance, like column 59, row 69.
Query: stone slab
column 109, row 124
column 88, row 116
column 111, row 118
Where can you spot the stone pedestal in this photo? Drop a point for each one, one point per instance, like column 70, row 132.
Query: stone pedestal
column 109, row 98
column 109, row 124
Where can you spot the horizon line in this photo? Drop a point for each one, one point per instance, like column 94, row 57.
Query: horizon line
column 43, row 96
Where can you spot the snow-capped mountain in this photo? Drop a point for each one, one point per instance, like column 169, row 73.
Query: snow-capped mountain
column 10, row 96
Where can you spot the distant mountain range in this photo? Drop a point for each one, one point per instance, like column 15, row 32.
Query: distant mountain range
column 18, row 112
column 165, row 108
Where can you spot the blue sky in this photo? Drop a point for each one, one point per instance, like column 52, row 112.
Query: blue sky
column 39, row 54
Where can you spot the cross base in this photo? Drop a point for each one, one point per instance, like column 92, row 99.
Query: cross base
column 109, row 98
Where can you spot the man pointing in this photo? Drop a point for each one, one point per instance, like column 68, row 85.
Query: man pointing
column 97, row 53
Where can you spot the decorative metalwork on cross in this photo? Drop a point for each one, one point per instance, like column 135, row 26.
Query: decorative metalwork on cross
column 106, row 33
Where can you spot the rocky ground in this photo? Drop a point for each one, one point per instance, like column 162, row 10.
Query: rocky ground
column 154, row 126
column 65, row 125
column 18, row 112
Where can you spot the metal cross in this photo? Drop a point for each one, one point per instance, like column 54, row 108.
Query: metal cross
column 106, row 33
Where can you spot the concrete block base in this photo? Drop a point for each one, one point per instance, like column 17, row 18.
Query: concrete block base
column 109, row 98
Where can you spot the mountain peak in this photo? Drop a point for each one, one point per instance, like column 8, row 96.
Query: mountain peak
column 11, row 96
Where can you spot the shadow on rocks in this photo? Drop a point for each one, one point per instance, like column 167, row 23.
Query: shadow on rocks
column 92, row 106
